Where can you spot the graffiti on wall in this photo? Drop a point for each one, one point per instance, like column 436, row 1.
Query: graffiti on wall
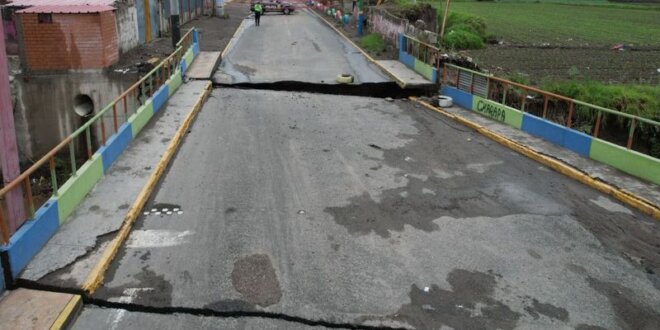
column 490, row 109
column 389, row 29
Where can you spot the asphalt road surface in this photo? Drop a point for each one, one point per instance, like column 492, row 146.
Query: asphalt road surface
column 297, row 47
column 355, row 210
column 287, row 210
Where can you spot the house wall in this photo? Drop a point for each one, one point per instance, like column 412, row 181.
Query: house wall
column 71, row 41
column 127, row 25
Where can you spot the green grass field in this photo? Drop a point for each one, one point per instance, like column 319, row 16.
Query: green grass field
column 583, row 22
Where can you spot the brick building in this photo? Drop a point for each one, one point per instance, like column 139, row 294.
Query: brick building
column 68, row 37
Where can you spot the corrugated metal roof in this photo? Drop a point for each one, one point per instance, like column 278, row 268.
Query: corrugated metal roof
column 66, row 9
column 34, row 3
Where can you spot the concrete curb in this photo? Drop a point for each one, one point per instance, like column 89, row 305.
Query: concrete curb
column 398, row 80
column 96, row 276
column 626, row 197
column 68, row 314
column 233, row 39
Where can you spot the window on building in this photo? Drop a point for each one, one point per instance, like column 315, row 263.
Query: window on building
column 45, row 18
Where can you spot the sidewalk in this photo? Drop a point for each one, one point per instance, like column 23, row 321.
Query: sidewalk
column 30, row 309
column 592, row 168
column 75, row 249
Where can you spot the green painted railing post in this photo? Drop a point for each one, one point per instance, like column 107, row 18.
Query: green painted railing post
column 72, row 155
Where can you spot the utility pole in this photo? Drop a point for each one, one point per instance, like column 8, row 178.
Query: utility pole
column 444, row 20
column 8, row 147
column 174, row 22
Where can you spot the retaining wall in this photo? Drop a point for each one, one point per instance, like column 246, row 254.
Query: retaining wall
column 629, row 161
column 34, row 234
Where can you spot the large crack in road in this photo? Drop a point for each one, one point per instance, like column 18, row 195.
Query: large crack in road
column 325, row 205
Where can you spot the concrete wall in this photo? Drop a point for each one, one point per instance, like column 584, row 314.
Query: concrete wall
column 127, row 26
column 71, row 41
column 387, row 28
column 43, row 119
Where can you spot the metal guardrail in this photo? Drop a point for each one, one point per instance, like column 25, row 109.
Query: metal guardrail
column 128, row 102
column 422, row 51
column 521, row 97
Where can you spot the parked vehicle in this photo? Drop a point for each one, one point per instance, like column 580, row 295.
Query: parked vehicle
column 274, row 7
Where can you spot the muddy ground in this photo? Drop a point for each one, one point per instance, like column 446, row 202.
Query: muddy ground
column 601, row 64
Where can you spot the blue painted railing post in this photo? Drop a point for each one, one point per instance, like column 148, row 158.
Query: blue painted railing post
column 195, row 36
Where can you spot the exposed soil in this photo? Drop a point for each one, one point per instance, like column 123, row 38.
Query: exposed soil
column 631, row 66
column 159, row 48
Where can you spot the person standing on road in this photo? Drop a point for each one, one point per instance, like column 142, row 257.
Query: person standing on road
column 258, row 10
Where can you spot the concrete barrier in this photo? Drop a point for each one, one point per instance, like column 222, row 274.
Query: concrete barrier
column 496, row 111
column 31, row 237
column 463, row 99
column 557, row 134
column 629, row 161
column 116, row 145
column 160, row 97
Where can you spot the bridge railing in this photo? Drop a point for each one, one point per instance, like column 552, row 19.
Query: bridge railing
column 42, row 180
column 422, row 51
column 575, row 114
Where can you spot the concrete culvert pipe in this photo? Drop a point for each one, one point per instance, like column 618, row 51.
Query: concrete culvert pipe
column 83, row 105
column 345, row 78
column 445, row 101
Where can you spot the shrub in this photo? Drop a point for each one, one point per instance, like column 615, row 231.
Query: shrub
column 639, row 100
column 463, row 27
column 476, row 23
column 373, row 42
column 520, row 77
column 459, row 39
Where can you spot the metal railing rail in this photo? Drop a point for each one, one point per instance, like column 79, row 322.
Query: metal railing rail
column 451, row 75
column 422, row 51
column 141, row 90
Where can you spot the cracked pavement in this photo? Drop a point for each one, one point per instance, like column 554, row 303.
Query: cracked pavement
column 292, row 210
column 355, row 210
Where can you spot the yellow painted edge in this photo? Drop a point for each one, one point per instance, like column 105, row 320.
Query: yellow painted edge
column 399, row 81
column 95, row 277
column 629, row 198
column 232, row 40
column 62, row 321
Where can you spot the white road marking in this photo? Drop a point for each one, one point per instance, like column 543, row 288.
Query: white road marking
column 127, row 297
column 483, row 167
column 157, row 238
column 607, row 204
